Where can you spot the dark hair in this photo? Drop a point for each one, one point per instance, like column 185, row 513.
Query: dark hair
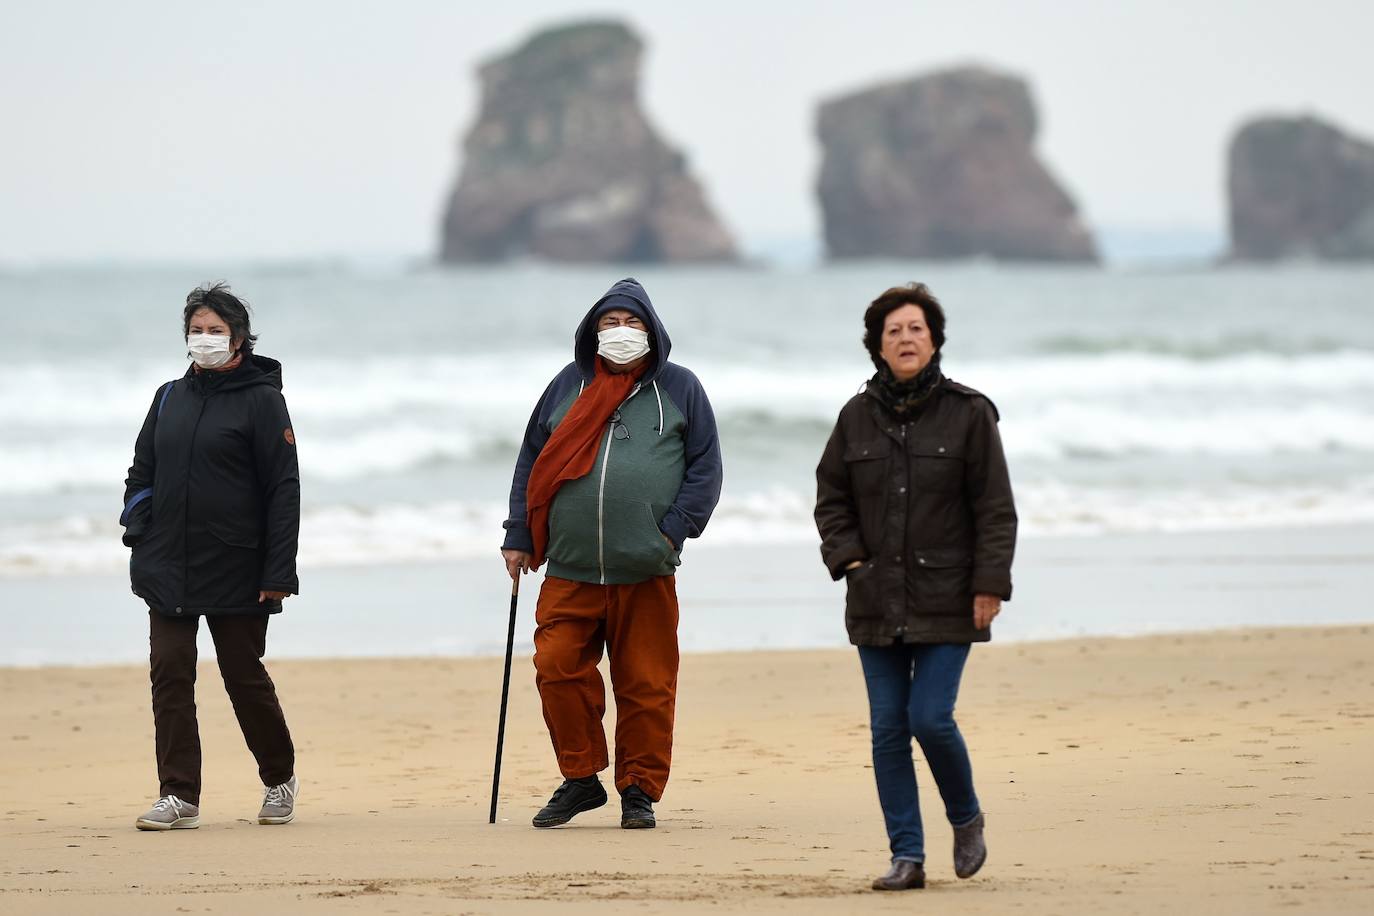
column 233, row 310
column 917, row 294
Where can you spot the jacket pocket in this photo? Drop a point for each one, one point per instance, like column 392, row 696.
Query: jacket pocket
column 152, row 575
column 862, row 597
column 632, row 541
column 235, row 537
column 572, row 530
column 942, row 579
column 225, row 569
column 137, row 580
column 867, row 466
column 937, row 465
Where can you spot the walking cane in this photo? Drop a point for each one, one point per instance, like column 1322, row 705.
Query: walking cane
column 505, row 694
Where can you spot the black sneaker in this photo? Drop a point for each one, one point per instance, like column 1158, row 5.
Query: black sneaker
column 570, row 800
column 636, row 809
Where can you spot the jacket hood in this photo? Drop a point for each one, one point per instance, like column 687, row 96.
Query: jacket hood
column 629, row 295
column 255, row 370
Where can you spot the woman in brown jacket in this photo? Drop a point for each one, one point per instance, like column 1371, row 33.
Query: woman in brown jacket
column 915, row 511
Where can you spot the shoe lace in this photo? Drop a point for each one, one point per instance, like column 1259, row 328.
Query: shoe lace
column 168, row 803
column 277, row 795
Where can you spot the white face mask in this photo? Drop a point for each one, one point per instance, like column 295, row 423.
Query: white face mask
column 208, row 351
column 622, row 344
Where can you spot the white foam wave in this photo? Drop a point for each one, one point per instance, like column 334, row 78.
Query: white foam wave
column 72, row 429
column 349, row 535
column 1068, row 428
column 44, row 395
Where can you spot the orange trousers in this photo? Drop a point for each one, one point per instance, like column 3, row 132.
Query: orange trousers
column 637, row 626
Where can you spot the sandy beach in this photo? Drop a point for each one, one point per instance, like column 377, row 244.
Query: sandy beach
column 1220, row 772
column 294, row 326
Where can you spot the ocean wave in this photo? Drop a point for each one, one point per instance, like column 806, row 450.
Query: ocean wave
column 353, row 535
column 1055, row 432
column 1223, row 347
column 1089, row 430
column 73, row 430
column 53, row 396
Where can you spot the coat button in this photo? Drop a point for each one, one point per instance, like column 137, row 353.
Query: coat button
column 901, row 489
column 178, row 610
column 897, row 559
column 941, row 450
column 865, row 451
column 921, row 560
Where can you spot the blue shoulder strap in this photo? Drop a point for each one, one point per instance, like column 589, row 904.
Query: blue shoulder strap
column 146, row 492
column 165, row 391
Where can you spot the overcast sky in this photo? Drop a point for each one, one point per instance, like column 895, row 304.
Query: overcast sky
column 187, row 130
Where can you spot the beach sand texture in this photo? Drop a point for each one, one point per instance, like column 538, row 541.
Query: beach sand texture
column 1208, row 773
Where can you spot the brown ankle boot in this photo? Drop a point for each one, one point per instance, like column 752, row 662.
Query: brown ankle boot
column 902, row 876
column 970, row 851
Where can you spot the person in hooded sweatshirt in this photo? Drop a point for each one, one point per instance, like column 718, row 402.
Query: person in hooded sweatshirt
column 620, row 465
column 212, row 512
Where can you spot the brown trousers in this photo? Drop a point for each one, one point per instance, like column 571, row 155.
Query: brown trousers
column 637, row 625
column 240, row 643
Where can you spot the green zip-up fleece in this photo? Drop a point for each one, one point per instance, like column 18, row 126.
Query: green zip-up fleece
column 657, row 474
column 623, row 500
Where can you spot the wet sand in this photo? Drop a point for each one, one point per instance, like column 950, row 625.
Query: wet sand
column 1223, row 772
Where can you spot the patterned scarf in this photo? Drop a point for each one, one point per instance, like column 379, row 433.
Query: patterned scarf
column 904, row 398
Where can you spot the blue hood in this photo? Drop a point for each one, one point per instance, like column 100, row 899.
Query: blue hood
column 629, row 295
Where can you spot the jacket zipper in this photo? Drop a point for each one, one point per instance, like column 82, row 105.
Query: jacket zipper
column 186, row 503
column 601, row 504
column 601, row 490
column 906, row 515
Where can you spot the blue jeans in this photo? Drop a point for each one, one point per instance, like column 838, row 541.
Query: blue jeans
column 911, row 692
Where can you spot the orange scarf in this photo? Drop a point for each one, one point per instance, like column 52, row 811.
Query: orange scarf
column 571, row 451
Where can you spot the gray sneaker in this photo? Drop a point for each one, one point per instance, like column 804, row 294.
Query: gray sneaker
column 170, row 813
column 279, row 804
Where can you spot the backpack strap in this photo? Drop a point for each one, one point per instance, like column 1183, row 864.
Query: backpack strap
column 165, row 391
column 134, row 500
column 143, row 494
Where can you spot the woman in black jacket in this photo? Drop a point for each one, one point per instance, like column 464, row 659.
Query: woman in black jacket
column 212, row 512
column 915, row 512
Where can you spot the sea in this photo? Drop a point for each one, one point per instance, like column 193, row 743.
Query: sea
column 1160, row 399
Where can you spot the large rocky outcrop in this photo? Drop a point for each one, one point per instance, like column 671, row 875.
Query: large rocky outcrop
column 563, row 164
column 1300, row 187
column 943, row 166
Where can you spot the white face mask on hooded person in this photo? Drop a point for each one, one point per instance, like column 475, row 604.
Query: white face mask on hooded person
column 208, row 351
column 622, row 344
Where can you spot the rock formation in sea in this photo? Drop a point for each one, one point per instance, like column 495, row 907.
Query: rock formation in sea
column 1300, row 188
column 943, row 166
column 562, row 163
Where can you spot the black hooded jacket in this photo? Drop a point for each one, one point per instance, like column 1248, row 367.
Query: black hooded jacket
column 212, row 502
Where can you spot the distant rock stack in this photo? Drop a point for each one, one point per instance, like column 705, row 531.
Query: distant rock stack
column 562, row 163
column 943, row 166
column 1300, row 188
